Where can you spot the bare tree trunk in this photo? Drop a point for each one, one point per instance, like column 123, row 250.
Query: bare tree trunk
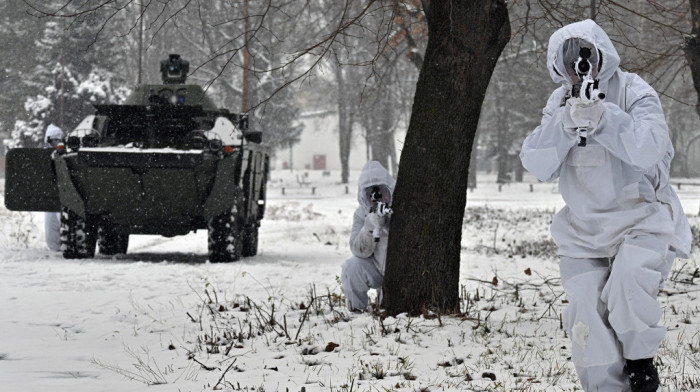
column 503, row 144
column 381, row 149
column 473, row 166
column 692, row 48
column 246, row 59
column 344, row 126
column 519, row 170
column 394, row 165
column 63, row 92
column 382, row 130
column 465, row 41
column 139, row 77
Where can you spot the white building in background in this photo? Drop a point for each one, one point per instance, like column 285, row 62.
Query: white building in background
column 319, row 147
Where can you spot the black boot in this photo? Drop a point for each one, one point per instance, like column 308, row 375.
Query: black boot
column 643, row 375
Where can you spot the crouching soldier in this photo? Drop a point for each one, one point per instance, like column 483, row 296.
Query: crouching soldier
column 369, row 237
column 52, row 220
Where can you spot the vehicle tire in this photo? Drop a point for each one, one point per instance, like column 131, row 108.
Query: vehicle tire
column 110, row 242
column 78, row 236
column 250, row 240
column 225, row 237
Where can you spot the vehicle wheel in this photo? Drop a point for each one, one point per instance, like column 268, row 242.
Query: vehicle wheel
column 225, row 239
column 110, row 242
column 250, row 240
column 78, row 236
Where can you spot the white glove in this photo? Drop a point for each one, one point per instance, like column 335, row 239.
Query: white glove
column 580, row 114
column 374, row 221
column 383, row 210
column 374, row 224
column 566, row 120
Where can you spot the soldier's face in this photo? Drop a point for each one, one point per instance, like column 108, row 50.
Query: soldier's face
column 572, row 53
column 378, row 193
column 53, row 142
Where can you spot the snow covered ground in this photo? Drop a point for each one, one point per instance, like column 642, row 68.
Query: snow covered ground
column 161, row 318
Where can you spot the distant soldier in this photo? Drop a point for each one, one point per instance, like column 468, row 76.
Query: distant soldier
column 370, row 236
column 52, row 220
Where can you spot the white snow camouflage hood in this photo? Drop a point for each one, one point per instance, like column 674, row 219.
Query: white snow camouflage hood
column 53, row 132
column 589, row 31
column 373, row 173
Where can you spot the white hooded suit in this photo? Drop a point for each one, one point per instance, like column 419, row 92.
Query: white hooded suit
column 52, row 220
column 622, row 225
column 365, row 269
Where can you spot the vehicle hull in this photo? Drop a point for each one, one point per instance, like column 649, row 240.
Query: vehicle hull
column 166, row 193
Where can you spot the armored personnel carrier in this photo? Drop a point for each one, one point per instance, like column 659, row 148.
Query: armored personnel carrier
column 166, row 162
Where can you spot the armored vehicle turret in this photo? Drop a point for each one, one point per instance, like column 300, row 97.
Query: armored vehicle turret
column 166, row 162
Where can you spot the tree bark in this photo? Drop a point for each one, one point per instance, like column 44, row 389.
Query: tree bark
column 379, row 121
column 692, row 48
column 345, row 121
column 139, row 77
column 503, row 145
column 246, row 59
column 473, row 165
column 465, row 41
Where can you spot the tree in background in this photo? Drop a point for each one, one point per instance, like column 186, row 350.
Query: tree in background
column 65, row 101
column 275, row 109
column 692, row 46
column 388, row 92
column 373, row 62
column 650, row 37
column 17, row 44
column 518, row 90
column 214, row 37
column 347, row 109
column 692, row 53
column 67, row 77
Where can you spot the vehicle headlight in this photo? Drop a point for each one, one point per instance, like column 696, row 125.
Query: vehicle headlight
column 73, row 142
column 83, row 138
column 215, row 145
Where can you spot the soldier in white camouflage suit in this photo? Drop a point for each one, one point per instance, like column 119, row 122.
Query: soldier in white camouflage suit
column 52, row 220
column 623, row 224
column 370, row 236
